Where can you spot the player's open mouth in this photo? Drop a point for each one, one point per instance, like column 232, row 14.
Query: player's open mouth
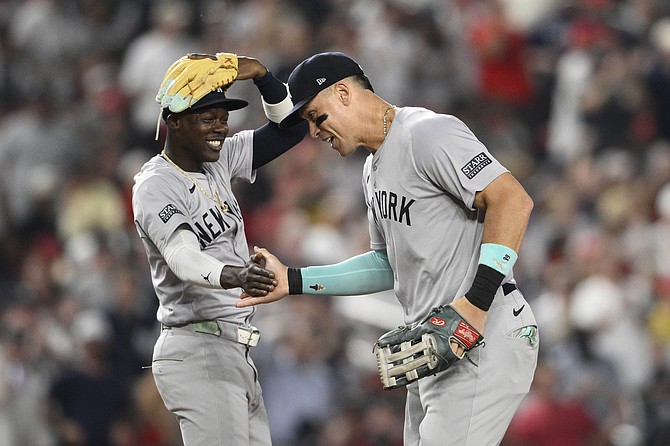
column 214, row 143
column 329, row 141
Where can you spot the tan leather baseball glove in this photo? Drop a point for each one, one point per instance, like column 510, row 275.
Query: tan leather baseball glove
column 193, row 76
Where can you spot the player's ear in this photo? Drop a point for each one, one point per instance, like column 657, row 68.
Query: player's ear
column 173, row 122
column 342, row 92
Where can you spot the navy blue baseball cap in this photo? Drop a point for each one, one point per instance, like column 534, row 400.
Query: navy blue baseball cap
column 216, row 98
column 314, row 75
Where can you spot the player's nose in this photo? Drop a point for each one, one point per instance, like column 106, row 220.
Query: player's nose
column 314, row 130
column 221, row 127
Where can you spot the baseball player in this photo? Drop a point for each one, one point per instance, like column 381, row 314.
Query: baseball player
column 446, row 222
column 193, row 233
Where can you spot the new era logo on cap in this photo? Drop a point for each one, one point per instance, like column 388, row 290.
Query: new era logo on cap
column 313, row 75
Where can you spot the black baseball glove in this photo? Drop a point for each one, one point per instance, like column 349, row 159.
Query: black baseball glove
column 411, row 352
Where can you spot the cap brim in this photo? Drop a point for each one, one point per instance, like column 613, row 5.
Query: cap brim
column 293, row 117
column 227, row 103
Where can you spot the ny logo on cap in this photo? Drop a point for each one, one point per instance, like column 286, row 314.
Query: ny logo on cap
column 321, row 80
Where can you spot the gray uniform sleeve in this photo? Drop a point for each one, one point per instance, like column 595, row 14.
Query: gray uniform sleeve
column 160, row 207
column 237, row 156
column 452, row 158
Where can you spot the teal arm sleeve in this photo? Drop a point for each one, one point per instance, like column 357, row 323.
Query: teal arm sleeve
column 363, row 274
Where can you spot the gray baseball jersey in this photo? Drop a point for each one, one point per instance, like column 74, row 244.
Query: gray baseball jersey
column 420, row 188
column 164, row 199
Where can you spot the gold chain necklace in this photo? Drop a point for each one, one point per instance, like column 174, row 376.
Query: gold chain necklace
column 216, row 198
column 386, row 119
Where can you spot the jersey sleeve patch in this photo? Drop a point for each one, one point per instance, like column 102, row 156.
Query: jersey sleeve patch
column 168, row 211
column 475, row 165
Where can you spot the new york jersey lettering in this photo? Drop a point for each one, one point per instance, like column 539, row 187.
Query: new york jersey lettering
column 390, row 206
column 211, row 225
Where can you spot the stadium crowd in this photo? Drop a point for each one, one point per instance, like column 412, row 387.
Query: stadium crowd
column 572, row 96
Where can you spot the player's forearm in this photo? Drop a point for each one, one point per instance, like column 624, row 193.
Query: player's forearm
column 508, row 210
column 275, row 97
column 269, row 140
column 272, row 90
column 184, row 257
column 362, row 274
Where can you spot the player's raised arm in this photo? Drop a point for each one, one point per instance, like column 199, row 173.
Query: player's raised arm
column 269, row 140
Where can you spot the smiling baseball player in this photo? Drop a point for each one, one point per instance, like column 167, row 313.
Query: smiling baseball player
column 446, row 222
column 193, row 233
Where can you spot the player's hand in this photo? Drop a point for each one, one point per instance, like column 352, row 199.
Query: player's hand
column 249, row 68
column 475, row 316
column 252, row 277
column 280, row 270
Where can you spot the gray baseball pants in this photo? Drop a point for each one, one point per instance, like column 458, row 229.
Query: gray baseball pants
column 472, row 405
column 211, row 384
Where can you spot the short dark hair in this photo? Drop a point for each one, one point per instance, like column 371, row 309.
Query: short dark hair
column 363, row 81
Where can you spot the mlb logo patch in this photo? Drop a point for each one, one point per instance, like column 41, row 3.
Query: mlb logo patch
column 168, row 211
column 475, row 165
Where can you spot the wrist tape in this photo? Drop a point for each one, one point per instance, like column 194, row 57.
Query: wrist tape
column 484, row 287
column 495, row 263
column 499, row 257
column 294, row 281
column 277, row 112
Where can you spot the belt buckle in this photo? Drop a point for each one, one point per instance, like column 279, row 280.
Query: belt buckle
column 207, row 327
column 248, row 335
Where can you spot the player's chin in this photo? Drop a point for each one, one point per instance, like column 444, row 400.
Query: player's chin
column 346, row 151
column 212, row 154
column 339, row 148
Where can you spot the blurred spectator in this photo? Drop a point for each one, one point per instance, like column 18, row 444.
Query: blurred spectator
column 77, row 415
column 575, row 96
column 388, row 23
column 612, row 100
column 102, row 27
column 659, row 77
column 659, row 233
column 547, row 418
column 26, row 168
column 300, row 385
column 567, row 136
column 503, row 71
column 24, row 376
column 657, row 405
column 155, row 425
column 148, row 57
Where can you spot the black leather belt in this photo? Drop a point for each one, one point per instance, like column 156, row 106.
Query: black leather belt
column 508, row 288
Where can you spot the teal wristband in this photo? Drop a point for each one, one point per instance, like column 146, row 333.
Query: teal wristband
column 499, row 257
